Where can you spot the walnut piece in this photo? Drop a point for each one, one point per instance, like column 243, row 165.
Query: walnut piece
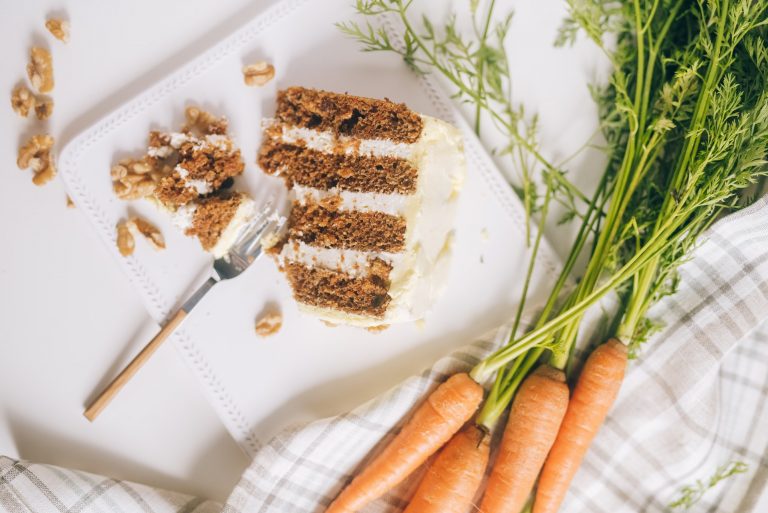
column 59, row 29
column 22, row 100
column 258, row 73
column 203, row 122
column 45, row 174
column 36, row 155
column 40, row 69
column 70, row 203
column 269, row 324
column 148, row 231
column 43, row 107
column 134, row 179
column 125, row 242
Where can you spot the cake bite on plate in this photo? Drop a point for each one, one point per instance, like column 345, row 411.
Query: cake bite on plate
column 189, row 174
column 374, row 188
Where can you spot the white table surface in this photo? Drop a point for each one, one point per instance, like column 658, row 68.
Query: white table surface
column 69, row 319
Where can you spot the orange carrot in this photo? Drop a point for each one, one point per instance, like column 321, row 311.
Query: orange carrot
column 432, row 425
column 534, row 419
column 452, row 480
column 595, row 392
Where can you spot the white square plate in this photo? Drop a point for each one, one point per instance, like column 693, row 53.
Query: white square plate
column 308, row 369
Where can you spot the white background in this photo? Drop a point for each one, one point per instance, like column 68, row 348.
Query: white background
column 69, row 319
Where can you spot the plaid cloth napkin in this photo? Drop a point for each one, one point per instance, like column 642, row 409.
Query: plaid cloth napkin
column 695, row 400
column 32, row 488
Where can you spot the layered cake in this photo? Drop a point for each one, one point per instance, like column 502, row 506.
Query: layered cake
column 190, row 174
column 374, row 188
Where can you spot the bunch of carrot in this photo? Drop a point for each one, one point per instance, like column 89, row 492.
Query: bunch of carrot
column 686, row 120
column 543, row 421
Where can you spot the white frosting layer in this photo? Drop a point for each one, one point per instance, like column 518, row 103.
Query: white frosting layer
column 183, row 216
column 418, row 273
column 393, row 204
column 246, row 210
column 349, row 261
column 326, row 141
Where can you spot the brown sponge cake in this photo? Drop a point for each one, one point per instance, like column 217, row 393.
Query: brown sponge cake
column 374, row 187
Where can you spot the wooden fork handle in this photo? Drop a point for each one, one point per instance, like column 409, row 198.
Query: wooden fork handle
column 119, row 382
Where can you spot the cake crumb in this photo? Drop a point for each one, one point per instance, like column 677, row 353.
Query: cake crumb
column 125, row 242
column 258, row 73
column 269, row 324
column 148, row 231
column 484, row 235
column 58, row 28
column 329, row 323
column 377, row 329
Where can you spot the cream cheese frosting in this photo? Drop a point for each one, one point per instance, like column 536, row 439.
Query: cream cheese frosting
column 420, row 271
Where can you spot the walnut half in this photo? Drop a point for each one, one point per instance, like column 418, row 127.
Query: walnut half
column 40, row 69
column 125, row 242
column 203, row 122
column 148, row 231
column 269, row 324
column 24, row 101
column 59, row 29
column 43, row 107
column 36, row 155
column 258, row 73
column 133, row 179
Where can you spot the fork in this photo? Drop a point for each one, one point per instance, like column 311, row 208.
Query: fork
column 243, row 252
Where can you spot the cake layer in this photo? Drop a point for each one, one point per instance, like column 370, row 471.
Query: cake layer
column 325, row 170
column 348, row 115
column 325, row 225
column 324, row 288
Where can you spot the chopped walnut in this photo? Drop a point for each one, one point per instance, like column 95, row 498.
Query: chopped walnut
column 125, row 242
column 204, row 122
column 36, row 155
column 133, row 179
column 148, row 230
column 43, row 107
column 40, row 69
column 70, row 203
column 59, row 29
column 46, row 173
column 269, row 324
column 258, row 73
column 22, row 100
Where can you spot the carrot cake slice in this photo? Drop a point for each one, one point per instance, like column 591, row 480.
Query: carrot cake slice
column 374, row 188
